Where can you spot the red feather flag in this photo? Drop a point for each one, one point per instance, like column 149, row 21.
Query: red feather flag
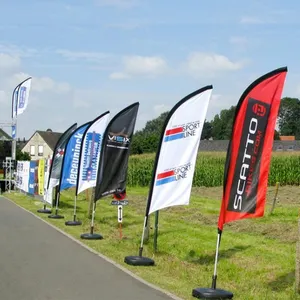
column 249, row 152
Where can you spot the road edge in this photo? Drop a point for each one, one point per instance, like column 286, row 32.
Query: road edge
column 98, row 253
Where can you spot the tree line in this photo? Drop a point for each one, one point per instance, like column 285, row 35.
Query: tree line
column 220, row 127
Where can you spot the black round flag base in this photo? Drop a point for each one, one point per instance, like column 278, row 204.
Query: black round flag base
column 209, row 293
column 44, row 211
column 91, row 236
column 73, row 223
column 56, row 217
column 139, row 261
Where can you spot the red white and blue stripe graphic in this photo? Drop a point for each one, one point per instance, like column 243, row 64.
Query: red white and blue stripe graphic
column 165, row 177
column 174, row 134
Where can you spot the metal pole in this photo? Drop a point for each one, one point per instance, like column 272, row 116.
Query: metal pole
column 143, row 234
column 156, row 231
column 214, row 279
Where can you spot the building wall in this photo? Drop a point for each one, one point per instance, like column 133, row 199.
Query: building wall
column 35, row 142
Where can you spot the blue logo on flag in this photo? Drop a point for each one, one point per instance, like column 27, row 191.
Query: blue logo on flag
column 90, row 155
column 13, row 131
column 71, row 160
column 22, row 96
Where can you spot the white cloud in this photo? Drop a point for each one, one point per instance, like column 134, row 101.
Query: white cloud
column 201, row 64
column 87, row 56
column 161, row 108
column 250, row 20
column 13, row 50
column 118, row 3
column 119, row 75
column 239, row 41
column 149, row 66
column 9, row 61
column 269, row 18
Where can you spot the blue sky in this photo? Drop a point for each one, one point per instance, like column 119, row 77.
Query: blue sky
column 90, row 56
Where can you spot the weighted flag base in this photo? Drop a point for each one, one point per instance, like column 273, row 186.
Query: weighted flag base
column 44, row 211
column 91, row 236
column 209, row 293
column 56, row 217
column 138, row 261
column 73, row 223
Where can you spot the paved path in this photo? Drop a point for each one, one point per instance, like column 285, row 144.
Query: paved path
column 39, row 263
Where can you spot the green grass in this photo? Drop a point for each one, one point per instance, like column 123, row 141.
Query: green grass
column 257, row 256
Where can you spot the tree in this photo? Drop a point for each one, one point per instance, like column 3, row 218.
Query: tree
column 289, row 117
column 276, row 135
column 22, row 155
column 147, row 139
column 222, row 124
column 206, row 131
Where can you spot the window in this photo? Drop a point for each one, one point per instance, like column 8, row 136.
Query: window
column 41, row 150
column 32, row 150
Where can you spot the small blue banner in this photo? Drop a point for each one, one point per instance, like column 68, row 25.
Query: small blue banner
column 71, row 159
column 31, row 182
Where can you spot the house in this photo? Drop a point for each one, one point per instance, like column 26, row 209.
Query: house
column 4, row 136
column 41, row 144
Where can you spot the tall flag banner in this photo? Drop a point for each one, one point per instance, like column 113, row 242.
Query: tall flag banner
column 14, row 102
column 90, row 153
column 57, row 157
column 71, row 158
column 177, row 152
column 112, row 170
column 48, row 192
column 249, row 152
column 20, row 97
column 248, row 160
column 41, row 177
column 31, row 182
column 175, row 160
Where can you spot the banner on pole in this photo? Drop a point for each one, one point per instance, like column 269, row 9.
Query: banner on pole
column 20, row 97
column 71, row 158
column 48, row 192
column 249, row 151
column 41, row 177
column 31, row 181
column 90, row 153
column 177, row 152
column 57, row 157
column 112, row 170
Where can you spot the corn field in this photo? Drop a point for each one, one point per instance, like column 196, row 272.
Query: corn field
column 209, row 171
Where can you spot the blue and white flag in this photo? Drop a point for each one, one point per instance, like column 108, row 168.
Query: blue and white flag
column 20, row 97
column 15, row 102
column 71, row 158
column 90, row 153
column 31, row 181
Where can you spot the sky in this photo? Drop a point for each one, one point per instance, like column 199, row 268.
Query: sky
column 90, row 56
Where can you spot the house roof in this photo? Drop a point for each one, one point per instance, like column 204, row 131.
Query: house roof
column 4, row 136
column 50, row 137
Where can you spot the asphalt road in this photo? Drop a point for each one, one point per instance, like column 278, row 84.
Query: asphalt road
column 38, row 262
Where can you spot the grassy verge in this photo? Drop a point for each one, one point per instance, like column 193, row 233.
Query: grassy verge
column 257, row 256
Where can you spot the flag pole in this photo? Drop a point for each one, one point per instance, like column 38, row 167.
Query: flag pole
column 56, row 215
column 155, row 231
column 213, row 292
